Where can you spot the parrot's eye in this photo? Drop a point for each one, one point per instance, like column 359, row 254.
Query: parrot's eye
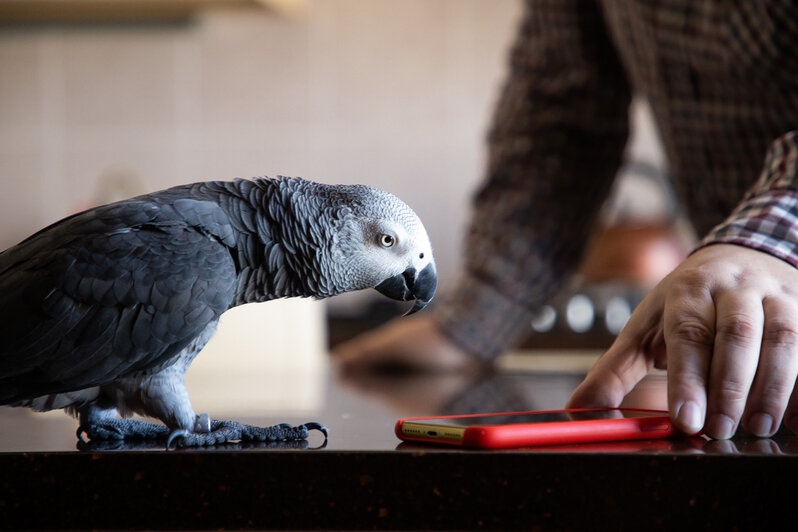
column 387, row 241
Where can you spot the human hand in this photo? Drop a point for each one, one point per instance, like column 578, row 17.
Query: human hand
column 413, row 343
column 725, row 324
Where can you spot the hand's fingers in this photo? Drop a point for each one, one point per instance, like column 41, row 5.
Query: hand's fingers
column 623, row 365
column 777, row 370
column 613, row 376
column 738, row 336
column 689, row 328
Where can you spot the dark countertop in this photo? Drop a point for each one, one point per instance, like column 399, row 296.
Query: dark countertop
column 364, row 478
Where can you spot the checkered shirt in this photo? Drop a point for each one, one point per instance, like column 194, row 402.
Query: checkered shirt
column 722, row 80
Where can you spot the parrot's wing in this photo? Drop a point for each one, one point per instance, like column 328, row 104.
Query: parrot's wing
column 112, row 291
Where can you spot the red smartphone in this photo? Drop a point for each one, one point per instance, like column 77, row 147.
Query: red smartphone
column 526, row 429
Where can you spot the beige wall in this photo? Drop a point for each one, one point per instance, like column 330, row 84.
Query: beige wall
column 395, row 94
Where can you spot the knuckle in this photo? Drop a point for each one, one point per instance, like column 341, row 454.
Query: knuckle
column 693, row 280
column 616, row 377
column 731, row 391
column 774, row 394
column 745, row 277
column 780, row 333
column 787, row 289
column 738, row 328
column 692, row 331
column 772, row 389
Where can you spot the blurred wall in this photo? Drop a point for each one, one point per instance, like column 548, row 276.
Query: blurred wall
column 395, row 94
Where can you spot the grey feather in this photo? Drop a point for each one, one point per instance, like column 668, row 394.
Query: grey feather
column 95, row 304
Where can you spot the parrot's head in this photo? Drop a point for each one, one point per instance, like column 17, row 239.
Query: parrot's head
column 383, row 245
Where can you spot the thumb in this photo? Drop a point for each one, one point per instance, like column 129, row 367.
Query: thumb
column 618, row 370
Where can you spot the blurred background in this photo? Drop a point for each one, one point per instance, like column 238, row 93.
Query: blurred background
column 103, row 101
column 106, row 99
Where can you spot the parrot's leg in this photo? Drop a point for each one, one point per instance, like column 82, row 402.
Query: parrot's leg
column 163, row 395
column 103, row 425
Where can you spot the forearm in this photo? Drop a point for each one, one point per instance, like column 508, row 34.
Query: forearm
column 554, row 148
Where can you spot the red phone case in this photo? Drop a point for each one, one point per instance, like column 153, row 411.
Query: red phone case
column 499, row 436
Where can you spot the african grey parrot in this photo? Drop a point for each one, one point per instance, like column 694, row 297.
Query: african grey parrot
column 103, row 312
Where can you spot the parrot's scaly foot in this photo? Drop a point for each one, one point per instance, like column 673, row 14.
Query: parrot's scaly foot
column 121, row 429
column 226, row 431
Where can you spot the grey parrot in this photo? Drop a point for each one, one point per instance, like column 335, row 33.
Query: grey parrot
column 103, row 312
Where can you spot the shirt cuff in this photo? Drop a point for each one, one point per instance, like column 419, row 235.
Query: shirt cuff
column 767, row 218
column 480, row 320
column 767, row 223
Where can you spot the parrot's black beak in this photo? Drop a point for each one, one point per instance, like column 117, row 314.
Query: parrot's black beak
column 410, row 285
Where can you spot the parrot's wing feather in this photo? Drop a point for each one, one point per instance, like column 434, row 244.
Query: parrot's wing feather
column 115, row 290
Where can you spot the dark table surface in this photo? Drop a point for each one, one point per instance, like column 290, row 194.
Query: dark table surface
column 363, row 477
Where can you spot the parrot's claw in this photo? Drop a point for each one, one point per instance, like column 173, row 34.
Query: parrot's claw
column 204, row 433
column 120, row 429
column 317, row 426
column 227, row 431
column 180, row 433
column 96, row 433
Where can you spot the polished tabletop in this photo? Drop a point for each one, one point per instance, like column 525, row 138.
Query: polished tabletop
column 362, row 476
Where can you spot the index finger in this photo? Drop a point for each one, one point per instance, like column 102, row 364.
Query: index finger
column 612, row 377
column 624, row 364
column 689, row 328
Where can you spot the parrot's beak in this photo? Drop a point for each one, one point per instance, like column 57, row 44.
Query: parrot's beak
column 412, row 285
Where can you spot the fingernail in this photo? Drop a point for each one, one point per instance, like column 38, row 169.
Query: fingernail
column 689, row 417
column 720, row 427
column 761, row 425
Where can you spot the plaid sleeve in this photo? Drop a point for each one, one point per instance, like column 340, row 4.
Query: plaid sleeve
column 555, row 145
column 767, row 218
